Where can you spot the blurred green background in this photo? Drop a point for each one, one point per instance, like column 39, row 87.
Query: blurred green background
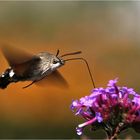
column 108, row 34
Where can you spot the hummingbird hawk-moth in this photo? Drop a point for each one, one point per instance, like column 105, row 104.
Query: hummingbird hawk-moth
column 28, row 67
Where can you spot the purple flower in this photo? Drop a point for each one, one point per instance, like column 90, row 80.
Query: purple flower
column 113, row 109
column 112, row 82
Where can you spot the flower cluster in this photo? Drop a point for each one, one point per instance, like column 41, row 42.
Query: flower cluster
column 113, row 109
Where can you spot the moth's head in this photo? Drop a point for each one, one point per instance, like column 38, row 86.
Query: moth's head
column 56, row 62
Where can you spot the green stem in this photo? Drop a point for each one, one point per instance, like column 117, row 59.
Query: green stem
column 114, row 135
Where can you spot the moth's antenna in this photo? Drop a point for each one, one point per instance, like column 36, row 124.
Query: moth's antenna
column 57, row 52
column 73, row 53
column 80, row 58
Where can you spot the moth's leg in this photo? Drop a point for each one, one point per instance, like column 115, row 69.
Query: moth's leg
column 29, row 84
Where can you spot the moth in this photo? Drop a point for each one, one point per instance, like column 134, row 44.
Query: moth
column 25, row 66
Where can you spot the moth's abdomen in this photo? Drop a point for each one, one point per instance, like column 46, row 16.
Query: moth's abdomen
column 6, row 78
column 4, row 82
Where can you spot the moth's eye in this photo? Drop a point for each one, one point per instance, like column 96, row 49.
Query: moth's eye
column 55, row 61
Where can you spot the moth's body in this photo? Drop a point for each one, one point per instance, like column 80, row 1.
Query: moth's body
column 28, row 67
column 35, row 69
column 40, row 66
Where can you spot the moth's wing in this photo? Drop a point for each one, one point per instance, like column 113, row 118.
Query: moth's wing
column 15, row 55
column 26, row 68
column 54, row 79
